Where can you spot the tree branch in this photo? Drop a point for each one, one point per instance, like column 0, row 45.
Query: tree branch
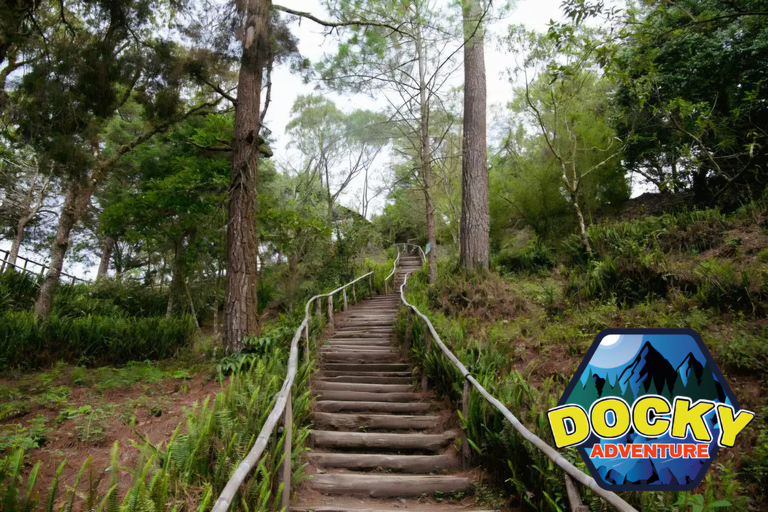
column 336, row 24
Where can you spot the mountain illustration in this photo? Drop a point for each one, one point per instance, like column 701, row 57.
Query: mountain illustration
column 649, row 367
column 690, row 366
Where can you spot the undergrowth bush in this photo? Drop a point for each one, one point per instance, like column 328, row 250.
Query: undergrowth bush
column 18, row 290
column 26, row 342
column 191, row 469
column 531, row 479
column 533, row 257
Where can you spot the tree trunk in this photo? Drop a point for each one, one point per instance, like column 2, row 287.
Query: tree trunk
column 16, row 245
column 425, row 155
column 25, row 218
column 475, row 223
column 106, row 256
column 240, row 302
column 582, row 224
column 76, row 199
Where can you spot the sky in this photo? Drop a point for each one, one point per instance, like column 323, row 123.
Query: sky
column 313, row 45
column 534, row 14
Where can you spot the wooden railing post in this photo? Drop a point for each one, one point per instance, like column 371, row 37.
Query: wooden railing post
column 345, row 300
column 370, row 284
column 5, row 260
column 330, row 311
column 573, row 496
column 284, row 473
column 465, row 453
column 354, row 294
column 306, row 339
column 319, row 307
column 428, row 343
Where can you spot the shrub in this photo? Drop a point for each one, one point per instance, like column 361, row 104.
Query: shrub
column 18, row 290
column 26, row 342
column 531, row 258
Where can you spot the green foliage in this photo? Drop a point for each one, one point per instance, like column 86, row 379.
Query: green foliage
column 26, row 342
column 534, row 256
column 691, row 96
column 18, row 290
column 200, row 456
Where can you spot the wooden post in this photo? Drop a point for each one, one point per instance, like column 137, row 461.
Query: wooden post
column 408, row 331
column 306, row 346
column 285, row 468
column 5, row 261
column 345, row 300
column 573, row 496
column 319, row 307
column 370, row 284
column 465, row 453
column 354, row 294
column 24, row 269
column 330, row 311
column 428, row 343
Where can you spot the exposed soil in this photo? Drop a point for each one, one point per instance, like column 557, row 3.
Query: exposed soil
column 158, row 408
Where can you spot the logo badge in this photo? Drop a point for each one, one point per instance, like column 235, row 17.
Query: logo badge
column 648, row 410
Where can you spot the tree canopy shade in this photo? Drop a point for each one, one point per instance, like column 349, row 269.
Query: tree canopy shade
column 692, row 97
column 83, row 63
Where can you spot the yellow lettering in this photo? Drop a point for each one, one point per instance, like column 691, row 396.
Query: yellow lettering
column 685, row 416
column 641, row 417
column 599, row 416
column 730, row 427
column 570, row 425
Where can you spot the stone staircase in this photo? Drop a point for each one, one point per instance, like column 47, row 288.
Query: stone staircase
column 378, row 445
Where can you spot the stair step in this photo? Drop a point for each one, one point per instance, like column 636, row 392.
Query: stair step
column 376, row 349
column 380, row 441
column 390, row 407
column 360, row 357
column 359, row 386
column 364, row 396
column 377, row 367
column 367, row 461
column 382, row 486
column 355, row 342
column 382, row 421
column 364, row 379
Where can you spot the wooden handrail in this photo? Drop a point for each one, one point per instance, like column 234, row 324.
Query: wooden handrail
column 421, row 251
column 551, row 453
column 282, row 405
column 42, row 266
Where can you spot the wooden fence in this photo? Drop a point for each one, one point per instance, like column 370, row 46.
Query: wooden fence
column 571, row 471
column 41, row 268
column 283, row 405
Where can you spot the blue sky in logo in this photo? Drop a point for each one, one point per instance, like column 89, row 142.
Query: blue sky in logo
column 618, row 350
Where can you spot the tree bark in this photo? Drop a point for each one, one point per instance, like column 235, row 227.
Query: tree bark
column 27, row 214
column 425, row 155
column 240, row 302
column 106, row 256
column 76, row 199
column 475, row 222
